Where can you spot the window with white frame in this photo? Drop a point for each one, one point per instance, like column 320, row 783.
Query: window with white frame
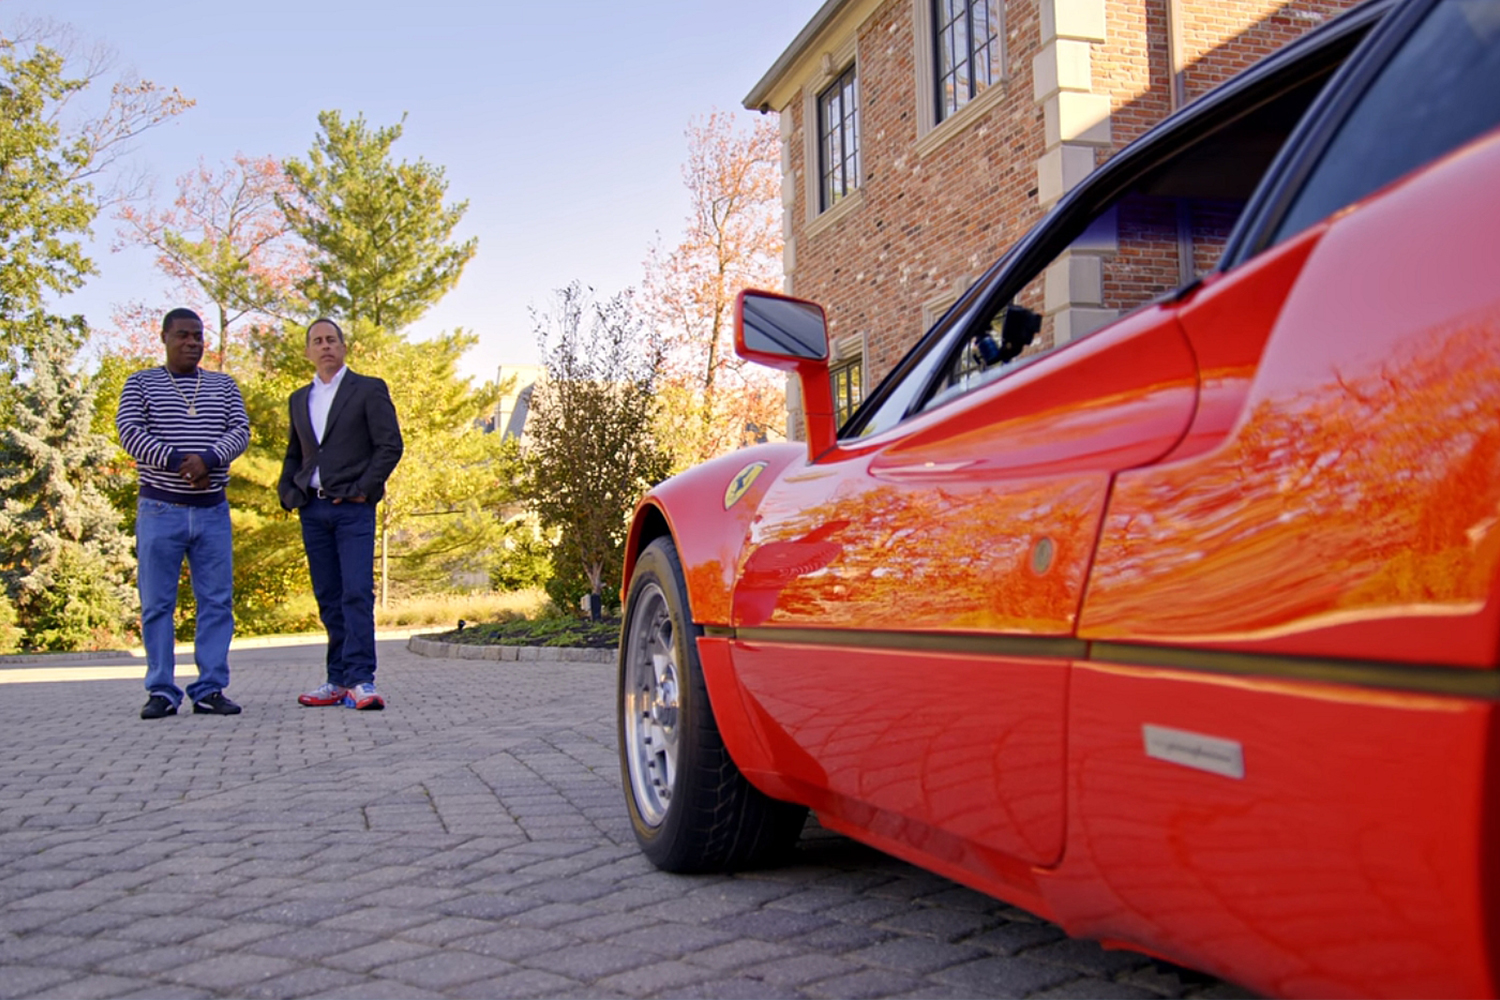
column 838, row 140
column 967, row 36
column 848, row 387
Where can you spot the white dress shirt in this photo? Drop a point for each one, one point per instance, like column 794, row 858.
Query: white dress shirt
column 319, row 402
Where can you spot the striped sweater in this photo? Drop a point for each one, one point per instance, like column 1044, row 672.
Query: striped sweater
column 158, row 431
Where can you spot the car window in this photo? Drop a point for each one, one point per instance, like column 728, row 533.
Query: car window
column 1140, row 248
column 889, row 404
column 1164, row 231
column 1439, row 90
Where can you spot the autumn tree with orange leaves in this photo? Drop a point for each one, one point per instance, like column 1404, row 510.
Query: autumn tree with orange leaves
column 223, row 240
column 713, row 401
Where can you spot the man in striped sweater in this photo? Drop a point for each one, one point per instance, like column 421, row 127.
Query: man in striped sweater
column 183, row 426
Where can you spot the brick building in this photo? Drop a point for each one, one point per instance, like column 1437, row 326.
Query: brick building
column 920, row 138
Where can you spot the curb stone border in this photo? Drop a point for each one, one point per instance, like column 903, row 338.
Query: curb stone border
column 424, row 646
column 86, row 658
column 108, row 656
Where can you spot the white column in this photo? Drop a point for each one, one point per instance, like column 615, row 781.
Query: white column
column 1076, row 123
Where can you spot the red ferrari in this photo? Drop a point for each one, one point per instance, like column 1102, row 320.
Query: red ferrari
column 1174, row 620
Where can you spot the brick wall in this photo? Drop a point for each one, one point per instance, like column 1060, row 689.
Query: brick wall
column 1221, row 38
column 926, row 222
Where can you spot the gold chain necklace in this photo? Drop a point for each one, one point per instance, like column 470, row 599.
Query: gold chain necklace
column 197, row 387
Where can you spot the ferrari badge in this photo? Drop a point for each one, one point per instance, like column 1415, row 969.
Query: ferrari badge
column 741, row 483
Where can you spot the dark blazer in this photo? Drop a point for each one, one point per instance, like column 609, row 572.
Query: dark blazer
column 360, row 449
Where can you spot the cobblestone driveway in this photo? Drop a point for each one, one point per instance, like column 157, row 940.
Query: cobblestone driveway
column 470, row 841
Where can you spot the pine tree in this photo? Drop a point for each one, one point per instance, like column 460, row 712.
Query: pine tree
column 379, row 237
column 64, row 559
column 65, row 563
column 380, row 251
column 442, row 510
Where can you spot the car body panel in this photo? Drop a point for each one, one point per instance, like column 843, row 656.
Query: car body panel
column 778, row 766
column 1354, row 511
column 1342, row 862
column 1036, row 450
column 1227, row 322
column 709, row 521
column 875, row 733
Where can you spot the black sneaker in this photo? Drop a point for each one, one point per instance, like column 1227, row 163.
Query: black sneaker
column 158, row 706
column 215, row 704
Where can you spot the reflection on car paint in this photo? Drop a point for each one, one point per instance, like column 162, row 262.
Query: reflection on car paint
column 1360, row 483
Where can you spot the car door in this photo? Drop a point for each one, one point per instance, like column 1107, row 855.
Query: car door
column 905, row 612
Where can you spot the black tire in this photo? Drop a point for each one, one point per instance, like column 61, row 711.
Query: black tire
column 691, row 808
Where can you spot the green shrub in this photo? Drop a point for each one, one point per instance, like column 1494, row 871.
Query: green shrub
column 80, row 608
column 523, row 560
column 10, row 633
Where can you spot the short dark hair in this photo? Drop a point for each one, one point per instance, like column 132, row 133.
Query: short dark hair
column 323, row 319
column 179, row 313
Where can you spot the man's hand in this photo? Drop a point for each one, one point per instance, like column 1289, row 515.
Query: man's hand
column 195, row 471
column 358, row 499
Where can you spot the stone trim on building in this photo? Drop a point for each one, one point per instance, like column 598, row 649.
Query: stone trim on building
column 1076, row 123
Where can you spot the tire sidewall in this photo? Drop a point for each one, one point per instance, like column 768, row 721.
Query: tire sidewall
column 659, row 564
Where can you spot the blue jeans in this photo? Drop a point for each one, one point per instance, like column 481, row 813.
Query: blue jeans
column 165, row 534
column 340, row 543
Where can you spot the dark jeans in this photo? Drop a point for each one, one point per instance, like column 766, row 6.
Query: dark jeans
column 340, row 543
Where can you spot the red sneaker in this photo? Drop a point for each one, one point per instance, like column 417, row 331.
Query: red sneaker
column 322, row 696
column 364, row 697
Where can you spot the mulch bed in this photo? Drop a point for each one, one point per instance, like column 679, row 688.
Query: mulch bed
column 578, row 633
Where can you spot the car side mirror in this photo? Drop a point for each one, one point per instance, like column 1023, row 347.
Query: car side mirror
column 774, row 329
column 790, row 335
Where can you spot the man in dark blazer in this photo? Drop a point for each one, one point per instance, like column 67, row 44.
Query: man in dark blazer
column 344, row 444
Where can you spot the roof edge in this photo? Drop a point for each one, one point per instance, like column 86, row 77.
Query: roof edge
column 756, row 99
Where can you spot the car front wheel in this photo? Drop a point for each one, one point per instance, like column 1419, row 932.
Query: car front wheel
column 691, row 808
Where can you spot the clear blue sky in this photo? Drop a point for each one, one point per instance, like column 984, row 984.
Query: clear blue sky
column 561, row 123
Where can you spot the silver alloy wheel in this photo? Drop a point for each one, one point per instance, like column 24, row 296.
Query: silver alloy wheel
column 651, row 704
